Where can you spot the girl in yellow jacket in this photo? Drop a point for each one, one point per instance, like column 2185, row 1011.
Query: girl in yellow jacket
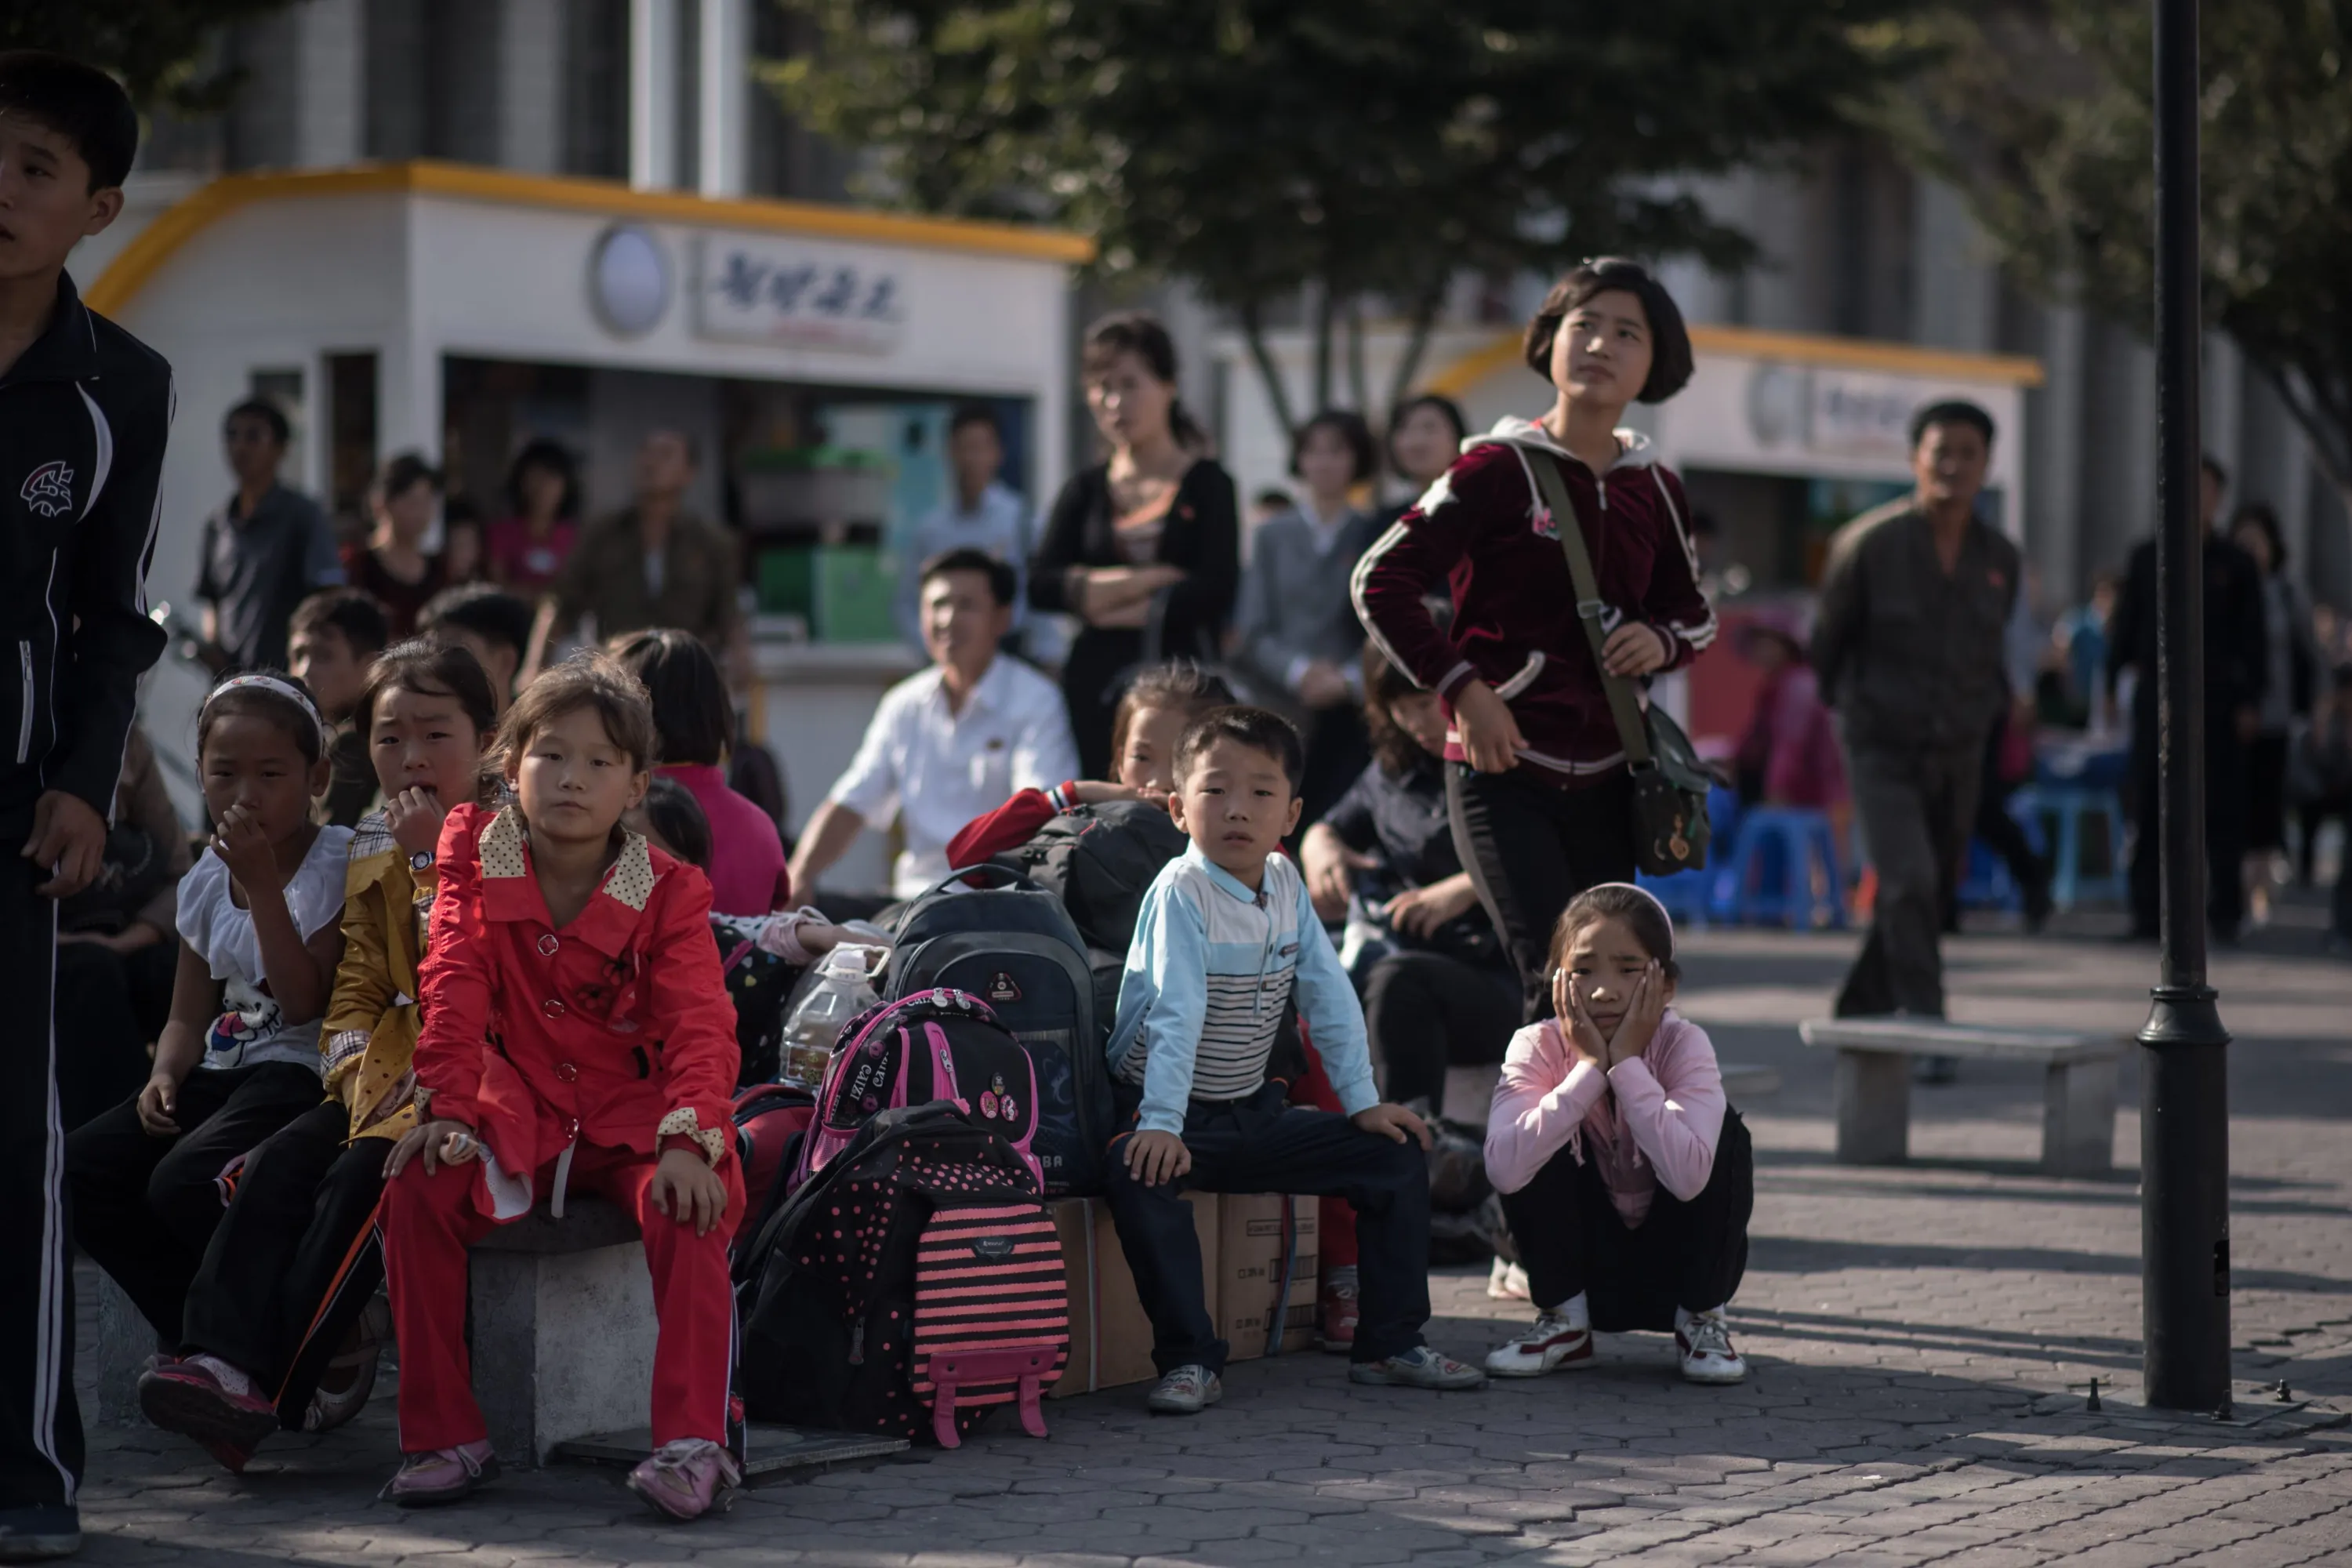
column 279, row 1330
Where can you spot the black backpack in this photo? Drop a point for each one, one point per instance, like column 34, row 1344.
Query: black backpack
column 1013, row 947
column 908, row 1288
column 1100, row 860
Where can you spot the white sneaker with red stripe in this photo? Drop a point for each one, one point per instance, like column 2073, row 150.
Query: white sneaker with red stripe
column 1705, row 1340
column 1553, row 1343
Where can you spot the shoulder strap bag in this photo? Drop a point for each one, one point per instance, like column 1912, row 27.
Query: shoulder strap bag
column 1670, row 782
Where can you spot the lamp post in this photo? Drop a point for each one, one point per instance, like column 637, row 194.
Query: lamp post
column 2184, row 1114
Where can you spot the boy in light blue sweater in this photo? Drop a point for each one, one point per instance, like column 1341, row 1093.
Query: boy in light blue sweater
column 1227, row 937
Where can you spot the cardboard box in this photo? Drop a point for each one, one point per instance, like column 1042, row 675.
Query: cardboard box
column 1110, row 1337
column 1251, row 1246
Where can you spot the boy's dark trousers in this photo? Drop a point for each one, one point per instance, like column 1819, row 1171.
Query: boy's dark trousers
column 144, row 1208
column 294, row 1260
column 41, row 1451
column 1688, row 1255
column 1262, row 1145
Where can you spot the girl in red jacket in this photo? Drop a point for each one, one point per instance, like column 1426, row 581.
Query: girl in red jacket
column 577, row 1037
column 1538, row 788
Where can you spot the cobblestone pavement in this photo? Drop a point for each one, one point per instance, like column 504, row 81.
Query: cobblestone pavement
column 1902, row 1325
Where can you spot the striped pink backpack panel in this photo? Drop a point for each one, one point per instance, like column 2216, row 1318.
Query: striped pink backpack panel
column 992, row 1314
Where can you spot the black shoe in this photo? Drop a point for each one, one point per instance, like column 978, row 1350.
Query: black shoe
column 39, row 1534
column 2038, row 906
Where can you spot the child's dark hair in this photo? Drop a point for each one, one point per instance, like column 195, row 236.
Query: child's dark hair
column 1255, row 727
column 672, row 811
column 354, row 612
column 1353, row 433
column 1669, row 344
column 431, row 668
column 243, row 695
column 80, row 103
column 403, row 473
column 485, row 609
column 1643, row 914
column 1178, row 683
column 694, row 717
column 587, row 679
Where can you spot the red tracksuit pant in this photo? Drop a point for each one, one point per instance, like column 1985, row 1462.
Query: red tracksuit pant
column 430, row 1221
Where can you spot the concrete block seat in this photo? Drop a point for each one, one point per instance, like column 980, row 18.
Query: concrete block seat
column 563, row 1326
column 1874, row 1085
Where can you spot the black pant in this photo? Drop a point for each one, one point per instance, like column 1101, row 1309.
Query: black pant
column 1262, row 1145
column 40, row 1426
column 1428, row 1010
column 294, row 1260
column 1688, row 1255
column 1916, row 809
column 1102, row 662
column 144, row 1208
column 2225, row 824
column 109, row 1006
column 1529, row 848
column 2003, row 835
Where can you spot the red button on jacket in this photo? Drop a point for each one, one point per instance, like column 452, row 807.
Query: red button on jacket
column 624, row 1023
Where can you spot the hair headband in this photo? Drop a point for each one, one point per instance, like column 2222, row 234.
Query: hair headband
column 272, row 684
column 1654, row 900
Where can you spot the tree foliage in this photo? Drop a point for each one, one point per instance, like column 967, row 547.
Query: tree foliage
column 159, row 49
column 1366, row 150
column 2044, row 113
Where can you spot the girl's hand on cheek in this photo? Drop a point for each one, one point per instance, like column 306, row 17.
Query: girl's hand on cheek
column 1639, row 1025
column 1575, row 1026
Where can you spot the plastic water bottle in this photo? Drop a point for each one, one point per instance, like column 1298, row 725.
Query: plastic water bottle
column 843, row 990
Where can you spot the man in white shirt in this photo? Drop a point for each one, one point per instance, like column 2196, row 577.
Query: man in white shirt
column 949, row 743
column 984, row 514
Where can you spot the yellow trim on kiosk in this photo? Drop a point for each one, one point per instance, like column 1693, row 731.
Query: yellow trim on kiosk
column 155, row 245
column 1801, row 348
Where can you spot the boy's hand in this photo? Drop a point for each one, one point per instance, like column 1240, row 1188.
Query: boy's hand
column 1393, row 1122
column 1153, row 1158
column 685, row 1187
column 440, row 1142
column 156, row 1103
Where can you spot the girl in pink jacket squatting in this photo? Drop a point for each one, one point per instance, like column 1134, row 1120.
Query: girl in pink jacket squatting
column 1626, row 1177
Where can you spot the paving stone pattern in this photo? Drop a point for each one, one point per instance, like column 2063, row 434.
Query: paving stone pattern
column 1901, row 1323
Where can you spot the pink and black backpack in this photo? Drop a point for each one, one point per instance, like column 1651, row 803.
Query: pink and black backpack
column 937, row 1044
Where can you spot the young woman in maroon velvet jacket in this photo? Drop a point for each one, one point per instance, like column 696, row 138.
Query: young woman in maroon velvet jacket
column 1537, row 781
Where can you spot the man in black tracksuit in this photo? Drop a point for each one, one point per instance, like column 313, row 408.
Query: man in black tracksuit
column 2236, row 667
column 84, row 411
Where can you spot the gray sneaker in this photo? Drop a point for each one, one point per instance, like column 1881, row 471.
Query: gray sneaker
column 1419, row 1367
column 1187, row 1391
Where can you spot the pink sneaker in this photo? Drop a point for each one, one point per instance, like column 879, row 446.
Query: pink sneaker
column 443, row 1475
column 200, row 1398
column 688, row 1477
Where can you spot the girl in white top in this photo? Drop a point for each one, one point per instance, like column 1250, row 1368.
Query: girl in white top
column 260, row 936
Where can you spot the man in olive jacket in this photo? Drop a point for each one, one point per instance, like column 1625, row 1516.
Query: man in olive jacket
column 1914, row 604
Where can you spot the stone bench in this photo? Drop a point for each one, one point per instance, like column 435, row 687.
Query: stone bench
column 562, row 1325
column 1874, row 1085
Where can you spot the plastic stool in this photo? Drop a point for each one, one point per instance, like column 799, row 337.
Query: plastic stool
column 2069, row 804
column 1792, row 842
column 1687, row 895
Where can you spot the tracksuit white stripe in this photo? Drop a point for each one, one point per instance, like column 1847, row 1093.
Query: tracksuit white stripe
column 50, row 1319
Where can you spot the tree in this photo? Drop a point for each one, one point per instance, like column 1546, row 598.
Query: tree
column 157, row 48
column 2044, row 114
column 1349, row 151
